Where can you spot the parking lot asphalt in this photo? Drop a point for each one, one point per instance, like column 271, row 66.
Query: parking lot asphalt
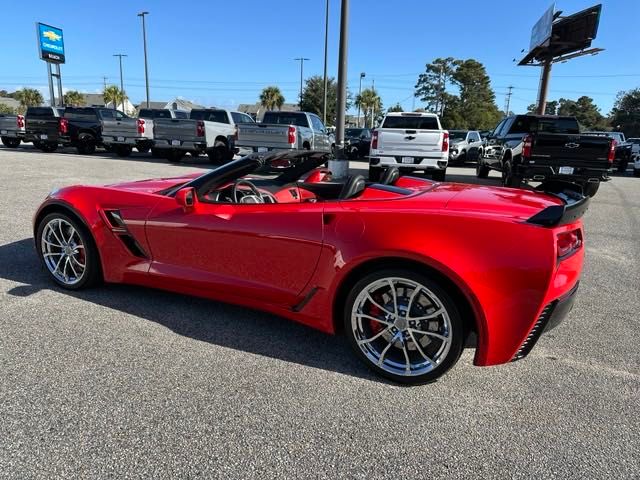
column 126, row 382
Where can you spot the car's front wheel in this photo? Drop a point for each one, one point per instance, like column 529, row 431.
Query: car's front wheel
column 11, row 142
column 403, row 325
column 67, row 251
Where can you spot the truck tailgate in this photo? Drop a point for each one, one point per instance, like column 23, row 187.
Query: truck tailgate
column 43, row 126
column 264, row 135
column 125, row 128
column 570, row 150
column 8, row 123
column 409, row 142
column 169, row 129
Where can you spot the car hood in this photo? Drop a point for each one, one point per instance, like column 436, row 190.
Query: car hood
column 154, row 184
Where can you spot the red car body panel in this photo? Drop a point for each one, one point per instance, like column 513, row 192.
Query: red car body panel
column 291, row 259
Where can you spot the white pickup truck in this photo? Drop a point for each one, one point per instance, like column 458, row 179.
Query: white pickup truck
column 12, row 130
column 121, row 133
column 209, row 130
column 409, row 141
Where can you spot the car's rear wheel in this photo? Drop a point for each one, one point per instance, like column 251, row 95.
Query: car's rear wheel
column 10, row 142
column 439, row 175
column 86, row 144
column 67, row 251
column 404, row 326
column 509, row 178
column 218, row 154
column 482, row 171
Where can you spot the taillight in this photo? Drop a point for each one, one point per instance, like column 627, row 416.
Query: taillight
column 200, row 128
column 20, row 121
column 526, row 146
column 445, row 142
column 141, row 126
column 612, row 151
column 374, row 140
column 292, row 135
column 63, row 126
column 569, row 242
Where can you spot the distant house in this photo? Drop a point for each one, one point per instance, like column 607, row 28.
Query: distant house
column 10, row 102
column 256, row 110
column 175, row 104
column 97, row 100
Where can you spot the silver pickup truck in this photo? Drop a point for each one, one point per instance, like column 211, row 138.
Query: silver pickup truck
column 121, row 133
column 286, row 131
column 210, row 130
column 12, row 130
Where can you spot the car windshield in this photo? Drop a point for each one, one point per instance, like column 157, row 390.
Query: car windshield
column 407, row 122
column 457, row 134
column 219, row 116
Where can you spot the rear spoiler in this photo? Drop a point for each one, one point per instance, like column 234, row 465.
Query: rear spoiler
column 575, row 205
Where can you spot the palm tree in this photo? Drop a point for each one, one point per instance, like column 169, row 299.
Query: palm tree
column 271, row 98
column 112, row 94
column 370, row 103
column 74, row 98
column 29, row 97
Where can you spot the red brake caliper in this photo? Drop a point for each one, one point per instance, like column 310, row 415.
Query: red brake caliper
column 376, row 327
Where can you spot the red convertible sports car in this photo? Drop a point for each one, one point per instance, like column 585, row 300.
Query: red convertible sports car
column 410, row 270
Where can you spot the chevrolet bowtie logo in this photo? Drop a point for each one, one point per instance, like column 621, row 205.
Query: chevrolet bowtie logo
column 572, row 145
column 409, row 137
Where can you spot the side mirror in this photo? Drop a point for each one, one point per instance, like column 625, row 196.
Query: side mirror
column 186, row 198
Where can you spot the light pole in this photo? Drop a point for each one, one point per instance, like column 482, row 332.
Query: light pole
column 301, row 60
column 362, row 75
column 326, row 40
column 340, row 166
column 144, row 40
column 120, row 55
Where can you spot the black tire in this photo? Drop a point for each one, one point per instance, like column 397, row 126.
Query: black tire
column 590, row 189
column 157, row 153
column 509, row 179
column 48, row 147
column 123, row 150
column 622, row 166
column 482, row 170
column 143, row 149
column 439, row 175
column 636, row 172
column 462, row 158
column 86, row 144
column 218, row 154
column 174, row 156
column 456, row 334
column 374, row 174
column 92, row 273
column 10, row 142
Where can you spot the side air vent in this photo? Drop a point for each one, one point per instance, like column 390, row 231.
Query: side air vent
column 535, row 332
column 115, row 219
column 133, row 246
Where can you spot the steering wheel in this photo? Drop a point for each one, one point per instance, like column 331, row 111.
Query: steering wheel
column 252, row 187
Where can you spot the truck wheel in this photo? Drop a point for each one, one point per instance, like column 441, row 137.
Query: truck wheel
column 590, row 189
column 622, row 166
column 218, row 153
column 174, row 156
column 86, row 144
column 10, row 142
column 439, row 175
column 374, row 174
column 509, row 179
column 156, row 153
column 123, row 150
column 482, row 171
column 636, row 172
column 48, row 147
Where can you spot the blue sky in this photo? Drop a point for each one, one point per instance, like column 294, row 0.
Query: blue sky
column 223, row 53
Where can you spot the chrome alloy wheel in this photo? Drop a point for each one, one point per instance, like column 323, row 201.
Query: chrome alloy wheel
column 63, row 251
column 401, row 326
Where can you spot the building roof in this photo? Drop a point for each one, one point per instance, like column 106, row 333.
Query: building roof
column 257, row 110
column 94, row 99
column 175, row 104
column 9, row 102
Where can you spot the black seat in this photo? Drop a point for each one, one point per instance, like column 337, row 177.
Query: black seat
column 353, row 187
column 390, row 176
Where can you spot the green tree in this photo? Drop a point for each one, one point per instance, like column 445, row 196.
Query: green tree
column 625, row 115
column 371, row 105
column 477, row 101
column 29, row 97
column 431, row 86
column 74, row 98
column 395, row 108
column 112, row 94
column 585, row 111
column 550, row 109
column 7, row 110
column 313, row 97
column 271, row 98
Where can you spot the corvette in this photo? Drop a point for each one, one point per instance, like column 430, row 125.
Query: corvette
column 410, row 270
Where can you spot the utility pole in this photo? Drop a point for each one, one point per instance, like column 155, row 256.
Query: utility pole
column 104, row 79
column 144, row 40
column 373, row 88
column 362, row 75
column 326, row 42
column 506, row 110
column 340, row 166
column 301, row 60
column 120, row 55
column 544, row 86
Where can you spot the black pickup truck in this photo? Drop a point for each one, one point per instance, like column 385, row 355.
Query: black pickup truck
column 43, row 127
column 546, row 147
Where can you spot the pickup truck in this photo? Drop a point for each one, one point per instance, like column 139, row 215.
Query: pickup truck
column 121, row 133
column 12, row 130
column 546, row 148
column 285, row 131
column 209, row 130
column 623, row 149
column 464, row 145
column 409, row 141
column 44, row 127
column 635, row 155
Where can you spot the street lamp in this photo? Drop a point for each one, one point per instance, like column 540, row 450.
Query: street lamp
column 362, row 75
column 301, row 60
column 326, row 40
column 144, row 40
column 120, row 55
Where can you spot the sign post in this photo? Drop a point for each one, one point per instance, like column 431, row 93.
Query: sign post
column 51, row 50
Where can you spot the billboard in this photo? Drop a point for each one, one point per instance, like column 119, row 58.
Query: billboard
column 50, row 43
column 541, row 31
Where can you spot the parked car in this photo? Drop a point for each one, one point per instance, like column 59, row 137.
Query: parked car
column 212, row 131
column 547, row 147
column 464, row 145
column 12, row 130
column 635, row 155
column 121, row 133
column 623, row 149
column 409, row 271
column 409, row 141
column 44, row 127
column 153, row 113
column 286, row 131
column 357, row 142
